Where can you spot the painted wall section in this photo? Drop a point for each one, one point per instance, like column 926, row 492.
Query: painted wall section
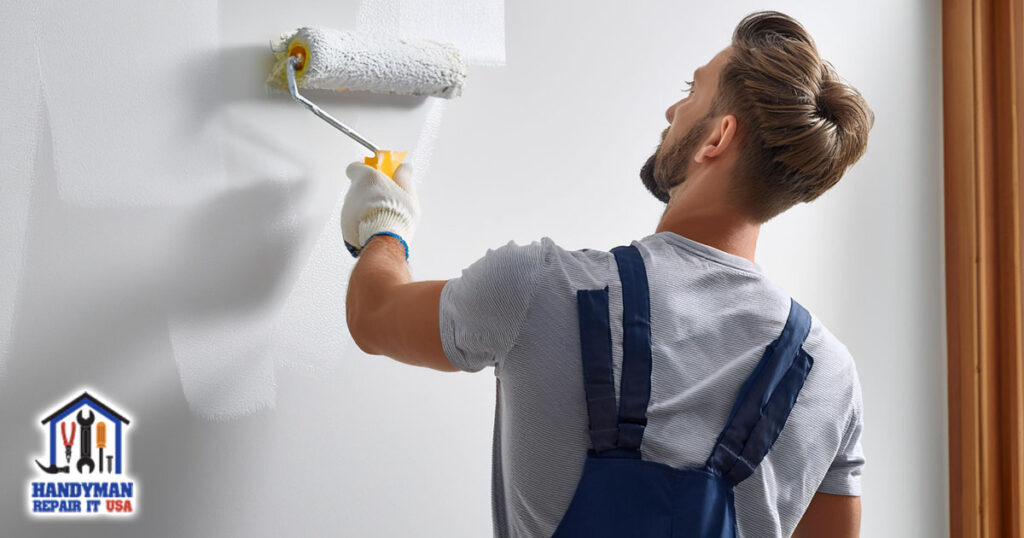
column 476, row 27
column 170, row 237
column 126, row 94
column 19, row 125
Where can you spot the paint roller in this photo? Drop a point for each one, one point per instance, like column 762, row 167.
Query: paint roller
column 329, row 59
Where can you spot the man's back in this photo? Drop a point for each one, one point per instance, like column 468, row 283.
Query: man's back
column 712, row 314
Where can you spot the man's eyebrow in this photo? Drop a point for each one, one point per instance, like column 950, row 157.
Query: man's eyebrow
column 695, row 71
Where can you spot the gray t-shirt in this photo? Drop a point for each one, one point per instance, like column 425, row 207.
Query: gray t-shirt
column 712, row 314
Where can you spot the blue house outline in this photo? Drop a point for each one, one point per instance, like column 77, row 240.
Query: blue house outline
column 71, row 407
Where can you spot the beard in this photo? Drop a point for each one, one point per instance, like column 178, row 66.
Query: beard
column 667, row 167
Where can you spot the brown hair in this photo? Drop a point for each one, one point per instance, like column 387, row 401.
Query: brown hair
column 801, row 126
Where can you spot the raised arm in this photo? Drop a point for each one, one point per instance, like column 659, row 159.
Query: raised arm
column 387, row 313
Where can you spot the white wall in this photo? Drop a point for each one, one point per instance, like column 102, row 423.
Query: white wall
column 169, row 237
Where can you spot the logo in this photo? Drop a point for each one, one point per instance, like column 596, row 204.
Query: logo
column 86, row 471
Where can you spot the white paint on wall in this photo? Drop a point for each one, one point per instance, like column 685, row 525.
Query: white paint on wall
column 223, row 364
column 221, row 318
column 19, row 126
column 476, row 27
column 420, row 156
column 127, row 86
column 311, row 336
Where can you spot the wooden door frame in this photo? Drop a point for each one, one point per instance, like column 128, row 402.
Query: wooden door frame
column 983, row 130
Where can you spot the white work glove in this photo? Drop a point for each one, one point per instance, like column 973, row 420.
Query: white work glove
column 375, row 204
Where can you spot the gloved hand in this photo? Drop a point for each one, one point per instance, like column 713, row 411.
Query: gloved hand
column 375, row 204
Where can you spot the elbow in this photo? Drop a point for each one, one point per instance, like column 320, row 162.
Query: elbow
column 361, row 332
column 361, row 317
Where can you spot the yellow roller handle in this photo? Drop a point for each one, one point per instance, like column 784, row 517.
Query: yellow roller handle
column 101, row 435
column 386, row 161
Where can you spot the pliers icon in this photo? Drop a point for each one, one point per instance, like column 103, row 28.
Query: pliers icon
column 67, row 442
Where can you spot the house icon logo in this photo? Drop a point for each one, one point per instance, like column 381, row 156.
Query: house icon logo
column 86, row 470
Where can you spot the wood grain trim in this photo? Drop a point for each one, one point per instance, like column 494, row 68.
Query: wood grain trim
column 983, row 143
column 1007, row 145
column 960, row 202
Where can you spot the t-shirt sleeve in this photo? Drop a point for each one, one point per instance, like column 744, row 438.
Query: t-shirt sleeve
column 483, row 310
column 844, row 475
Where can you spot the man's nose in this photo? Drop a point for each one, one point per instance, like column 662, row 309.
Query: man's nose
column 670, row 113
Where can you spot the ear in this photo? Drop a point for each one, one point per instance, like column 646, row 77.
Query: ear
column 719, row 140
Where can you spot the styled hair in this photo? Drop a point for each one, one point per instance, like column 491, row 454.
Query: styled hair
column 801, row 126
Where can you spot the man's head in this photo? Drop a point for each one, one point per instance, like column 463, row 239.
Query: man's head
column 768, row 116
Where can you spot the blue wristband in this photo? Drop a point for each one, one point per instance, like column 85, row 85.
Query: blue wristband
column 392, row 234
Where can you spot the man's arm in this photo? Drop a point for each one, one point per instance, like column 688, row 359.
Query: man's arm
column 389, row 314
column 832, row 516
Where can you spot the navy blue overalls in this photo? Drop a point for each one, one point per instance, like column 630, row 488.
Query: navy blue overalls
column 622, row 495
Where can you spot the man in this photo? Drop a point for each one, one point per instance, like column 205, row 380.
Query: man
column 767, row 124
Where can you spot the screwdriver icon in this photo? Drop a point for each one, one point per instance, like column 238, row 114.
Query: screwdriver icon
column 101, row 441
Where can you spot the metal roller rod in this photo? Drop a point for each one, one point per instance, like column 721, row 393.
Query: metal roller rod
column 294, row 90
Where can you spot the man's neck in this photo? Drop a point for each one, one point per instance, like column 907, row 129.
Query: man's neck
column 712, row 226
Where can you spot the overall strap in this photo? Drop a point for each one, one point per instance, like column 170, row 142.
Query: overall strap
column 635, row 392
column 622, row 429
column 598, row 379
column 764, row 402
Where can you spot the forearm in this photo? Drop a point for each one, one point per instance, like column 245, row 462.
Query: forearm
column 381, row 267
column 381, row 264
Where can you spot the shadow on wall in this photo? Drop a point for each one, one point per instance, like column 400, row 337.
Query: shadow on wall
column 103, row 283
column 106, row 279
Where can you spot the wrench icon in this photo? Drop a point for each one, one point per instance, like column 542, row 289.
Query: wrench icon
column 85, row 441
